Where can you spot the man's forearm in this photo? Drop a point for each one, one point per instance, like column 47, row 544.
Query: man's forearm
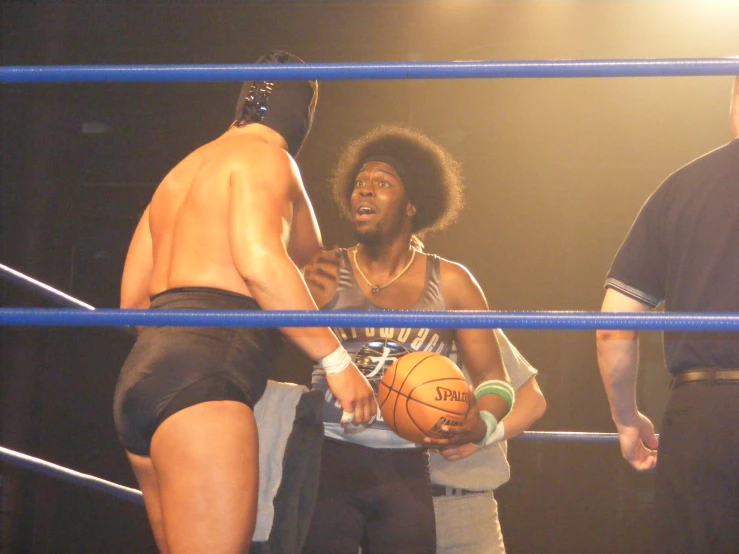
column 276, row 284
column 618, row 360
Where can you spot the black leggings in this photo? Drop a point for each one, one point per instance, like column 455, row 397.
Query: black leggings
column 380, row 495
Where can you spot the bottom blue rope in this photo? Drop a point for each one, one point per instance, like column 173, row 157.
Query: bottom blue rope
column 132, row 495
column 59, row 472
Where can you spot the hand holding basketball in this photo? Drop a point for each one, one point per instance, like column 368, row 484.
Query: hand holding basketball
column 471, row 431
column 421, row 393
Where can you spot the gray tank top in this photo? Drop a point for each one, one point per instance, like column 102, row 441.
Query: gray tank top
column 373, row 350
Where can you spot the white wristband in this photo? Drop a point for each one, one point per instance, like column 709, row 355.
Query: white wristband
column 491, row 423
column 336, row 362
column 497, row 435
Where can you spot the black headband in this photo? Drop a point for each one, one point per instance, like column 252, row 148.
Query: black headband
column 389, row 160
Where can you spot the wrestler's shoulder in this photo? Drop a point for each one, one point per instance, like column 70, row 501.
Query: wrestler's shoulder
column 263, row 162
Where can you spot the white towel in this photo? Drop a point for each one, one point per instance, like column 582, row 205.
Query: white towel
column 275, row 414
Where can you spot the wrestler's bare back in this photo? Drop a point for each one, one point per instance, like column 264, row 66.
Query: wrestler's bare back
column 234, row 215
column 225, row 201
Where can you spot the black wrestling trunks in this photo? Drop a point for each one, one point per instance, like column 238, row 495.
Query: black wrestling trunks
column 172, row 368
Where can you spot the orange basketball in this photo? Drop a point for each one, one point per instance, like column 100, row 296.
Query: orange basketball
column 420, row 392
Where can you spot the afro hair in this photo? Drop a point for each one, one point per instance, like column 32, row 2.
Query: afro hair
column 431, row 176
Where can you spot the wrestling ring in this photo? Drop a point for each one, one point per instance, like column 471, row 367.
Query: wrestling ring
column 74, row 312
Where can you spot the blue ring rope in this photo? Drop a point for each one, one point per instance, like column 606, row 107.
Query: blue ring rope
column 370, row 71
column 43, row 289
column 568, row 436
column 572, row 321
column 59, row 472
column 62, row 473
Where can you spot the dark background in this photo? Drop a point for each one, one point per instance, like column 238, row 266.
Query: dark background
column 556, row 169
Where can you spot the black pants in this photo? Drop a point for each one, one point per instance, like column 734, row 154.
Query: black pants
column 697, row 479
column 383, row 495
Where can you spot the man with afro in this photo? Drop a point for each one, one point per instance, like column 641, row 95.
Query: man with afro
column 397, row 186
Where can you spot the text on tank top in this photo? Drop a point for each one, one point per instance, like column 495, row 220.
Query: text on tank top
column 374, row 350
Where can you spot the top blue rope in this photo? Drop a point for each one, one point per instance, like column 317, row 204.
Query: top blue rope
column 370, row 71
column 574, row 321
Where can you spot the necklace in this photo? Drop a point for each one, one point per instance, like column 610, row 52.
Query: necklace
column 377, row 288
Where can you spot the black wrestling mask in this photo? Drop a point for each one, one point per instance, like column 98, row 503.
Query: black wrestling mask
column 286, row 107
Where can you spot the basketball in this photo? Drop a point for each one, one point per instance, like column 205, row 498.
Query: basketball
column 420, row 392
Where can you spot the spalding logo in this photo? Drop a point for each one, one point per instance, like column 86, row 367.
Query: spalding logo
column 445, row 394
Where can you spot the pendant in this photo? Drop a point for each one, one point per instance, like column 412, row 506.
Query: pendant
column 375, row 290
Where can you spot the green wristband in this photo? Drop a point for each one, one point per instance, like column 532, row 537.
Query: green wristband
column 498, row 388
